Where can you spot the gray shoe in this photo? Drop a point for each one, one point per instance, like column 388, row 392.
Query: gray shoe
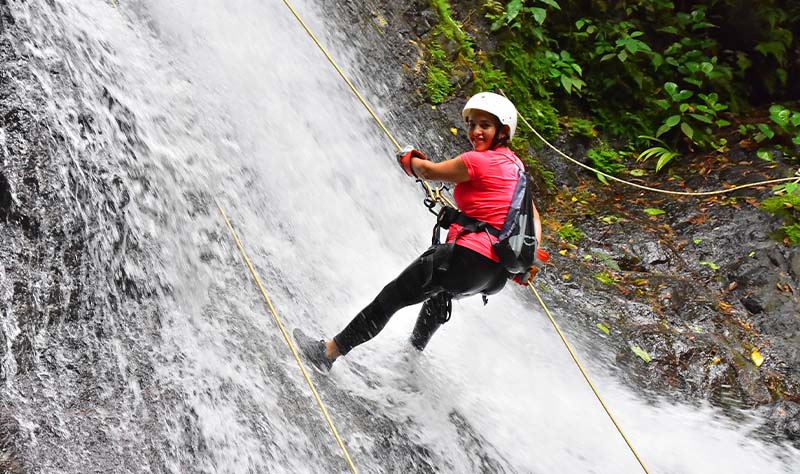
column 313, row 350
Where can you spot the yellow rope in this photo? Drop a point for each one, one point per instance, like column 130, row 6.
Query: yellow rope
column 648, row 188
column 431, row 192
column 585, row 375
column 288, row 341
column 434, row 194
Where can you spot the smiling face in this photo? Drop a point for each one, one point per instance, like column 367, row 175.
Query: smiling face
column 482, row 129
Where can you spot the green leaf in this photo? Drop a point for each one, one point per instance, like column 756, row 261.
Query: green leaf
column 512, row 9
column 552, row 3
column 604, row 328
column 539, row 14
column 687, row 130
column 666, row 157
column 637, row 172
column 697, row 241
column 604, row 278
column 566, row 83
column 641, row 353
column 694, row 82
column 702, row 118
column 672, row 121
column 651, row 211
column 662, row 130
column 710, row 265
column 765, row 155
column 751, row 254
column 764, row 128
column 657, row 60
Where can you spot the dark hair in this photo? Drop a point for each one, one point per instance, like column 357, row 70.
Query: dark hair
column 498, row 141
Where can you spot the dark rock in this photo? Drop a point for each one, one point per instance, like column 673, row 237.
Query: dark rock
column 5, row 198
column 752, row 304
column 784, row 419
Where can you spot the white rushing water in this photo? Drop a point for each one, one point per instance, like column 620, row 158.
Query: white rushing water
column 234, row 103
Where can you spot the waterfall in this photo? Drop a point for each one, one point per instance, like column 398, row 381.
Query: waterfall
column 171, row 362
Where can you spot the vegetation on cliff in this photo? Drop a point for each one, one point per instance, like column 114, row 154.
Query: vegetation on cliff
column 642, row 83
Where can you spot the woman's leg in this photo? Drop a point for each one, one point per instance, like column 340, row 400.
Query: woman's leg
column 414, row 285
column 452, row 269
column 434, row 312
column 469, row 273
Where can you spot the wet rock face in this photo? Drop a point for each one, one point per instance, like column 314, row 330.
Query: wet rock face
column 5, row 198
column 9, row 455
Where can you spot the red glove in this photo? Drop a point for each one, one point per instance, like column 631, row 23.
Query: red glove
column 542, row 256
column 404, row 158
column 524, row 278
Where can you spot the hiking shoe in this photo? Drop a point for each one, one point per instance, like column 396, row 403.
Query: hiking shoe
column 313, row 350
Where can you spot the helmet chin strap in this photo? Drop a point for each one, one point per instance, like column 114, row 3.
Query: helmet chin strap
column 499, row 138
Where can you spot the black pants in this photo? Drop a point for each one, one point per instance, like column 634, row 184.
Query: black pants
column 442, row 272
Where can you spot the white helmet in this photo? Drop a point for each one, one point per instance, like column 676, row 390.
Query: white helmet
column 496, row 105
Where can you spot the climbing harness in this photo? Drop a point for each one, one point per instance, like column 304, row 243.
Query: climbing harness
column 435, row 196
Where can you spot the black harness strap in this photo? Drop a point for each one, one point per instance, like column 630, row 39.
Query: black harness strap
column 449, row 215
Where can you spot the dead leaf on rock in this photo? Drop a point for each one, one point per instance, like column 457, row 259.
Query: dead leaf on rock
column 757, row 358
column 726, row 308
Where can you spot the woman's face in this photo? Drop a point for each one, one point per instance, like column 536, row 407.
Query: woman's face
column 482, row 129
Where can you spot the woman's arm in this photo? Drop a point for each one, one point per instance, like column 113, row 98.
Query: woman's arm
column 452, row 171
column 537, row 225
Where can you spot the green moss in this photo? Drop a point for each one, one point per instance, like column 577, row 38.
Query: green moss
column 570, row 233
column 438, row 84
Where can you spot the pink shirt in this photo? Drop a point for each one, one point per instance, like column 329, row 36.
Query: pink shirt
column 486, row 196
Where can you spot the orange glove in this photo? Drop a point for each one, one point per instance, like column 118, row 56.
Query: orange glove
column 404, row 158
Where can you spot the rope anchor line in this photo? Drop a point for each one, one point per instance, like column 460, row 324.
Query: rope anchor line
column 288, row 340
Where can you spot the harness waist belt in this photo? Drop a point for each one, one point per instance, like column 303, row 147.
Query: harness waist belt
column 449, row 215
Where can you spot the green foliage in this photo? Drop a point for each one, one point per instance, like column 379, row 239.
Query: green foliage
column 570, row 233
column 450, row 29
column 787, row 122
column 516, row 14
column 438, row 84
column 580, row 127
column 565, row 71
column 663, row 152
column 606, row 160
column 604, row 278
column 782, row 132
column 786, row 204
column 792, row 232
column 697, row 121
